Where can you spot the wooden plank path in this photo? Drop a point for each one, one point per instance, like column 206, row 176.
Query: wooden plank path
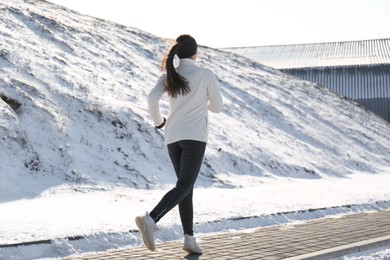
column 315, row 239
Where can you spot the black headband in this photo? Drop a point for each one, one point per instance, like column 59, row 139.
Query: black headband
column 187, row 46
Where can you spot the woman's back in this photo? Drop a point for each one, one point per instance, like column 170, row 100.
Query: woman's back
column 188, row 118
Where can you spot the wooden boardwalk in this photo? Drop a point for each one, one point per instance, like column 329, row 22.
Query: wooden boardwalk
column 315, row 239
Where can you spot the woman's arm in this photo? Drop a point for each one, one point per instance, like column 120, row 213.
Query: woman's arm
column 154, row 102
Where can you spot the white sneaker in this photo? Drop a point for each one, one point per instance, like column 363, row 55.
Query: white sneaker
column 146, row 226
column 190, row 245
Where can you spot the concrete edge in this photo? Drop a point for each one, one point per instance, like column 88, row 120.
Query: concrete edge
column 345, row 250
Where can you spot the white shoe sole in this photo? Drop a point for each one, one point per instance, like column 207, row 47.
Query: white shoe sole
column 191, row 251
column 148, row 241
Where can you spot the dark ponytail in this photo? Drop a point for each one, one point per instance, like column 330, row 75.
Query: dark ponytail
column 175, row 84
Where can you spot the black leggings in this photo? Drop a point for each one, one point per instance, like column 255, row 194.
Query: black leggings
column 186, row 157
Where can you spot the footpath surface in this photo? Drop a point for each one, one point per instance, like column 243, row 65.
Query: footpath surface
column 323, row 238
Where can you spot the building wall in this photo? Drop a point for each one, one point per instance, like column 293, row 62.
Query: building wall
column 368, row 85
column 381, row 106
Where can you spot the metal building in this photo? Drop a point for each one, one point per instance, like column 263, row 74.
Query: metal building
column 359, row 70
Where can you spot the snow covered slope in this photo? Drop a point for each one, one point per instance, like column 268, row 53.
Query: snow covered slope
column 82, row 85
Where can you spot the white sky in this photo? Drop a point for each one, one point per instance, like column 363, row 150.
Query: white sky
column 232, row 23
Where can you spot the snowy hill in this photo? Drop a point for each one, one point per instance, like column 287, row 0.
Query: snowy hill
column 82, row 85
column 74, row 114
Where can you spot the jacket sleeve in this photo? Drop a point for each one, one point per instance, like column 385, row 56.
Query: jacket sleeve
column 154, row 101
column 215, row 102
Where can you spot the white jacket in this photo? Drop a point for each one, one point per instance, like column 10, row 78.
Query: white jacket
column 188, row 117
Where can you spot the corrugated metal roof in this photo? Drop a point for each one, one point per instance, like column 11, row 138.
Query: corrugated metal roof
column 332, row 54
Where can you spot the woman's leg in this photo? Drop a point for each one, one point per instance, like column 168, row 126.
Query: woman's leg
column 186, row 211
column 185, row 206
column 186, row 157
